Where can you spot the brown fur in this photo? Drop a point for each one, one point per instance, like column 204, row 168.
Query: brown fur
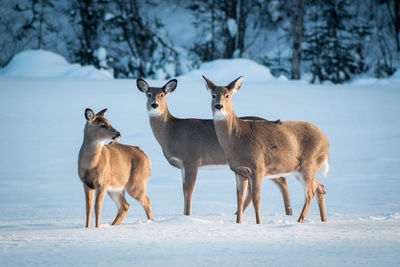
column 105, row 168
column 192, row 141
column 256, row 148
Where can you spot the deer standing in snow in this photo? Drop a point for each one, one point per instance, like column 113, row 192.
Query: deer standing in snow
column 113, row 169
column 188, row 144
column 257, row 149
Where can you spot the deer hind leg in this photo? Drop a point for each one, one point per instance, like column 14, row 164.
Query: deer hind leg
column 241, row 184
column 122, row 205
column 189, row 175
column 144, row 200
column 256, row 184
column 100, row 194
column 89, row 193
column 321, row 201
column 282, row 184
column 310, row 186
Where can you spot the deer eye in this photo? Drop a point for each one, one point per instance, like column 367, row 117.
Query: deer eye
column 161, row 95
column 214, row 96
column 226, row 96
column 104, row 126
column 149, row 95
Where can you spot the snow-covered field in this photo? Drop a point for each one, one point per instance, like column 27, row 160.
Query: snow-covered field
column 42, row 202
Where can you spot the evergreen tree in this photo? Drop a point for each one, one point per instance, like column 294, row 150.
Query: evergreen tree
column 333, row 42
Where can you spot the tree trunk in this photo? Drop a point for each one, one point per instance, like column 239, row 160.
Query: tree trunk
column 397, row 23
column 243, row 12
column 230, row 13
column 297, row 39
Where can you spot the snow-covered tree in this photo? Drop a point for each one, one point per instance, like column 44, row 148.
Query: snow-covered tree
column 333, row 42
column 136, row 42
column 223, row 25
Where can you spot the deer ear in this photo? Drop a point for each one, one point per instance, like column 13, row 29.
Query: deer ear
column 209, row 84
column 142, row 85
column 101, row 113
column 235, row 85
column 89, row 114
column 170, row 86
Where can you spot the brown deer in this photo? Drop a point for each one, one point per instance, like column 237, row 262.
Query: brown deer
column 188, row 144
column 257, row 149
column 113, row 169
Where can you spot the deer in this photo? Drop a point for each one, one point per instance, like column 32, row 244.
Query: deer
column 113, row 168
column 189, row 144
column 257, row 149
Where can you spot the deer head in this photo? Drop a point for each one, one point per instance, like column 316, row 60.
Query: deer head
column 221, row 103
column 156, row 96
column 98, row 128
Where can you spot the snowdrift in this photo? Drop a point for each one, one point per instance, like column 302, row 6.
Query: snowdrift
column 226, row 70
column 46, row 64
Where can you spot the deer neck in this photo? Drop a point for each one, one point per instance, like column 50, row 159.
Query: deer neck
column 228, row 129
column 90, row 153
column 159, row 125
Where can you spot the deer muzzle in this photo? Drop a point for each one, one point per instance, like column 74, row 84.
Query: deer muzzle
column 218, row 106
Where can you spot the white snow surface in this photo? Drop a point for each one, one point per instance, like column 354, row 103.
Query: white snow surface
column 226, row 70
column 46, row 64
column 42, row 210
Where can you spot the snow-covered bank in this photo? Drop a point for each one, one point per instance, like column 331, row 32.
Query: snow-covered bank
column 42, row 200
column 46, row 64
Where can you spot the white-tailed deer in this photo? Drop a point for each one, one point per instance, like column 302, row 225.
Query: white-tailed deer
column 112, row 169
column 188, row 144
column 257, row 149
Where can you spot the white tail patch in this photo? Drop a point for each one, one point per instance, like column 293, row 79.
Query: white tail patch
column 325, row 168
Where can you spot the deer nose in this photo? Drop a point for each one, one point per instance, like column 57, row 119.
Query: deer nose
column 117, row 136
column 218, row 106
column 154, row 105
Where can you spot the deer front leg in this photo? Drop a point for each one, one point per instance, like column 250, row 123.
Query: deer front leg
column 247, row 200
column 241, row 184
column 189, row 175
column 282, row 184
column 100, row 194
column 256, row 184
column 89, row 193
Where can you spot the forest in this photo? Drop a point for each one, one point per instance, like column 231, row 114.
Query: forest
column 317, row 40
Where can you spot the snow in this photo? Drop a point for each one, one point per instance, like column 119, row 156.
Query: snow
column 232, row 27
column 226, row 70
column 42, row 210
column 41, row 63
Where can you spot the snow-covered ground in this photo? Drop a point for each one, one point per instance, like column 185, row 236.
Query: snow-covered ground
column 42, row 202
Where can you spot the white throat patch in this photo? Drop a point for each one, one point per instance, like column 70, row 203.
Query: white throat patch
column 220, row 115
column 154, row 112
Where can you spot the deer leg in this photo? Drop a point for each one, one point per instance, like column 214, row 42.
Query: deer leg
column 282, row 184
column 189, row 175
column 321, row 201
column 256, row 184
column 122, row 205
column 241, row 184
column 309, row 188
column 144, row 200
column 89, row 193
column 100, row 194
column 247, row 200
